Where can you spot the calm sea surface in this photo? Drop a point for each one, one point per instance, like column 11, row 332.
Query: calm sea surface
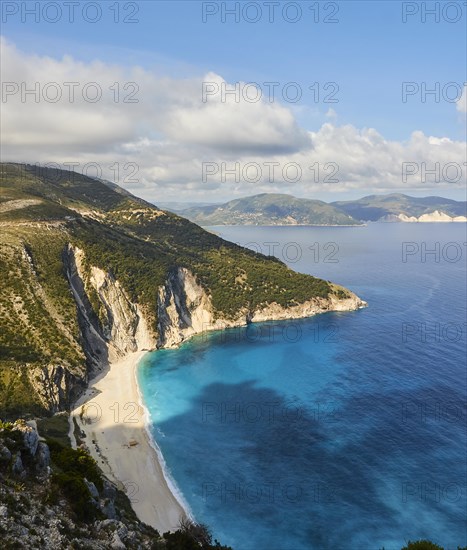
column 343, row 431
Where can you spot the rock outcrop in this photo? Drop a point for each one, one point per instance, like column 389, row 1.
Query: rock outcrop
column 430, row 217
column 32, row 517
column 22, row 452
column 56, row 386
column 112, row 325
column 122, row 329
column 184, row 309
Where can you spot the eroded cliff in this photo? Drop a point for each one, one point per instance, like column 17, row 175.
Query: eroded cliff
column 184, row 308
column 110, row 325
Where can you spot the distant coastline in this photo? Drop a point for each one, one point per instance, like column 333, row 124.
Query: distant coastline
column 276, row 209
column 365, row 224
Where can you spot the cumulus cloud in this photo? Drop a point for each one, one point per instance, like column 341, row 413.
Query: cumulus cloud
column 163, row 139
column 48, row 101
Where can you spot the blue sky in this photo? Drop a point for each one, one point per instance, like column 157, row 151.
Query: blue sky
column 369, row 52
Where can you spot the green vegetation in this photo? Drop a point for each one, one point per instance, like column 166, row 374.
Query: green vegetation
column 43, row 211
column 269, row 209
column 55, row 428
column 72, row 467
column 422, row 545
column 192, row 536
column 17, row 396
column 8, row 429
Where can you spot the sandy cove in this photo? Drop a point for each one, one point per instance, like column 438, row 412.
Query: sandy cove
column 111, row 415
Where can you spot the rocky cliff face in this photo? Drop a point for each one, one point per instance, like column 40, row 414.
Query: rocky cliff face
column 112, row 325
column 275, row 312
column 435, row 216
column 122, row 329
column 56, row 386
column 184, row 309
column 36, row 512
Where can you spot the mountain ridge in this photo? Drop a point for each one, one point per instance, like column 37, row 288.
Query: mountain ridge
column 269, row 209
column 284, row 209
column 379, row 207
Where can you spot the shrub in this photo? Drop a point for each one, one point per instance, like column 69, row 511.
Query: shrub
column 75, row 490
column 75, row 465
column 75, row 461
column 192, row 536
column 422, row 545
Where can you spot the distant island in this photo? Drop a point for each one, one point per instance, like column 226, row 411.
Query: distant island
column 282, row 209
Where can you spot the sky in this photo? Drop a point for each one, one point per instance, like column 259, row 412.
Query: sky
column 208, row 101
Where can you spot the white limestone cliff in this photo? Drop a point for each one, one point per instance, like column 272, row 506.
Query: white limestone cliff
column 430, row 217
column 183, row 309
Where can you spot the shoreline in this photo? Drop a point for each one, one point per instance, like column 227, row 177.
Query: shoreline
column 112, row 421
column 171, row 483
column 112, row 415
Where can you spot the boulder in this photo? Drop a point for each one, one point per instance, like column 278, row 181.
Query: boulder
column 122, row 531
column 109, row 491
column 116, row 543
column 92, row 489
column 5, row 453
column 42, row 458
column 17, row 467
column 30, row 436
column 108, row 509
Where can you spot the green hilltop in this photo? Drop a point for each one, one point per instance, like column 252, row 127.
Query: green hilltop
column 269, row 209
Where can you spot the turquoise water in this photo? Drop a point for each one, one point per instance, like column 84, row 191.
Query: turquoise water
column 343, row 431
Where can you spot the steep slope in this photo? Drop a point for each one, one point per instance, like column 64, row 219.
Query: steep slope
column 90, row 272
column 269, row 209
column 390, row 207
column 56, row 497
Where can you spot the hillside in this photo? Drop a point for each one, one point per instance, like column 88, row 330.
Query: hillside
column 85, row 267
column 389, row 207
column 53, row 496
column 269, row 209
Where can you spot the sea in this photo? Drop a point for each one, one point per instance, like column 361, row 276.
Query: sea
column 341, row 431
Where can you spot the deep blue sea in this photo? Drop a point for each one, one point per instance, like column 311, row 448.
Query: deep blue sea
column 342, row 431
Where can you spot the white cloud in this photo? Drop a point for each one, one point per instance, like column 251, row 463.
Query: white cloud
column 462, row 103
column 134, row 104
column 170, row 132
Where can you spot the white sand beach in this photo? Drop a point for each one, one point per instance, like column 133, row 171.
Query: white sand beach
column 111, row 416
